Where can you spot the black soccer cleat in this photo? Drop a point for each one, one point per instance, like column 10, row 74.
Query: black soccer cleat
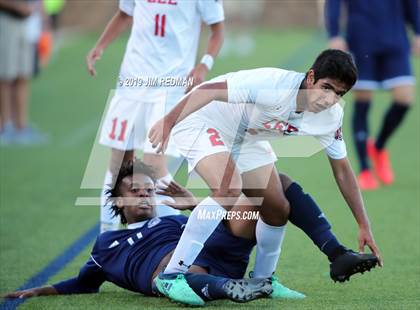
column 244, row 290
column 350, row 263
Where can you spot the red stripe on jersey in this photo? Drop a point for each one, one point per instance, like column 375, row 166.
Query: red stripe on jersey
column 157, row 24
column 162, row 33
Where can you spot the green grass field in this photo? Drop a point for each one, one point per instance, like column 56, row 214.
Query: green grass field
column 39, row 186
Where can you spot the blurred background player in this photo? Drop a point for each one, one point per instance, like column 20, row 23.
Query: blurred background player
column 51, row 40
column 163, row 44
column 21, row 24
column 376, row 36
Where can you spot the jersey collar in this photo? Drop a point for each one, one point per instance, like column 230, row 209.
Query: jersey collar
column 136, row 225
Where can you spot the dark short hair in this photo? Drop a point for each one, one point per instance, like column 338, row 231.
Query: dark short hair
column 128, row 168
column 337, row 65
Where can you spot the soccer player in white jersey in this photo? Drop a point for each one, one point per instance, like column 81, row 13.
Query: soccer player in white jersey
column 161, row 52
column 221, row 127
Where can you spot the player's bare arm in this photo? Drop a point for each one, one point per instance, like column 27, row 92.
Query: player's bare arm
column 118, row 24
column 338, row 43
column 21, row 9
column 346, row 181
column 193, row 101
column 215, row 42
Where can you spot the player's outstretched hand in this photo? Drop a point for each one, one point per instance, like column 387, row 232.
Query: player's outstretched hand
column 32, row 292
column 366, row 239
column 91, row 58
column 159, row 134
column 198, row 74
column 183, row 199
column 23, row 294
column 23, row 9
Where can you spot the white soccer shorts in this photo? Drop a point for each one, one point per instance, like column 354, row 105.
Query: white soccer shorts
column 196, row 139
column 129, row 119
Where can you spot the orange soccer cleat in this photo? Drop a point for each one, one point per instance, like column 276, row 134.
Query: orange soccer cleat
column 381, row 163
column 367, row 181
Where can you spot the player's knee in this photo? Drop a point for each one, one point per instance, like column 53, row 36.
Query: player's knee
column 363, row 95
column 277, row 214
column 284, row 206
column 280, row 207
column 227, row 192
column 226, row 197
column 231, row 188
column 286, row 181
column 404, row 95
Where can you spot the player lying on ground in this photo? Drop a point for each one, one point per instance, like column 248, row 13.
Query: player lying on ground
column 133, row 257
column 221, row 127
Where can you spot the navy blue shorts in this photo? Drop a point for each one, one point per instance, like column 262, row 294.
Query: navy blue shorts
column 225, row 255
column 384, row 69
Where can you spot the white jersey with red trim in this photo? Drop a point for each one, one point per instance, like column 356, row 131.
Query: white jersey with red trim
column 262, row 106
column 164, row 37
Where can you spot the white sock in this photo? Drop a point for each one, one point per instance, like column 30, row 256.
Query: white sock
column 108, row 222
column 269, row 241
column 161, row 209
column 197, row 230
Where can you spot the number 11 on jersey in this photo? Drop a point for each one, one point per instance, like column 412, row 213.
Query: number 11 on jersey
column 121, row 136
column 160, row 21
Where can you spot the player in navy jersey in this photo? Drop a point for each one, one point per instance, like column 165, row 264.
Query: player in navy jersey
column 376, row 36
column 132, row 258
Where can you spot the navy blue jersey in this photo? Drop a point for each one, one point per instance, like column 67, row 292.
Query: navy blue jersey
column 129, row 257
column 374, row 25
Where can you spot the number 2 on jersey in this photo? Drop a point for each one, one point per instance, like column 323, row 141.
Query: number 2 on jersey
column 160, row 21
column 112, row 135
column 214, row 137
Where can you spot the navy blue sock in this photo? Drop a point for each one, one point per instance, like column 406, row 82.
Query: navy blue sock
column 392, row 120
column 305, row 214
column 361, row 131
column 208, row 287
